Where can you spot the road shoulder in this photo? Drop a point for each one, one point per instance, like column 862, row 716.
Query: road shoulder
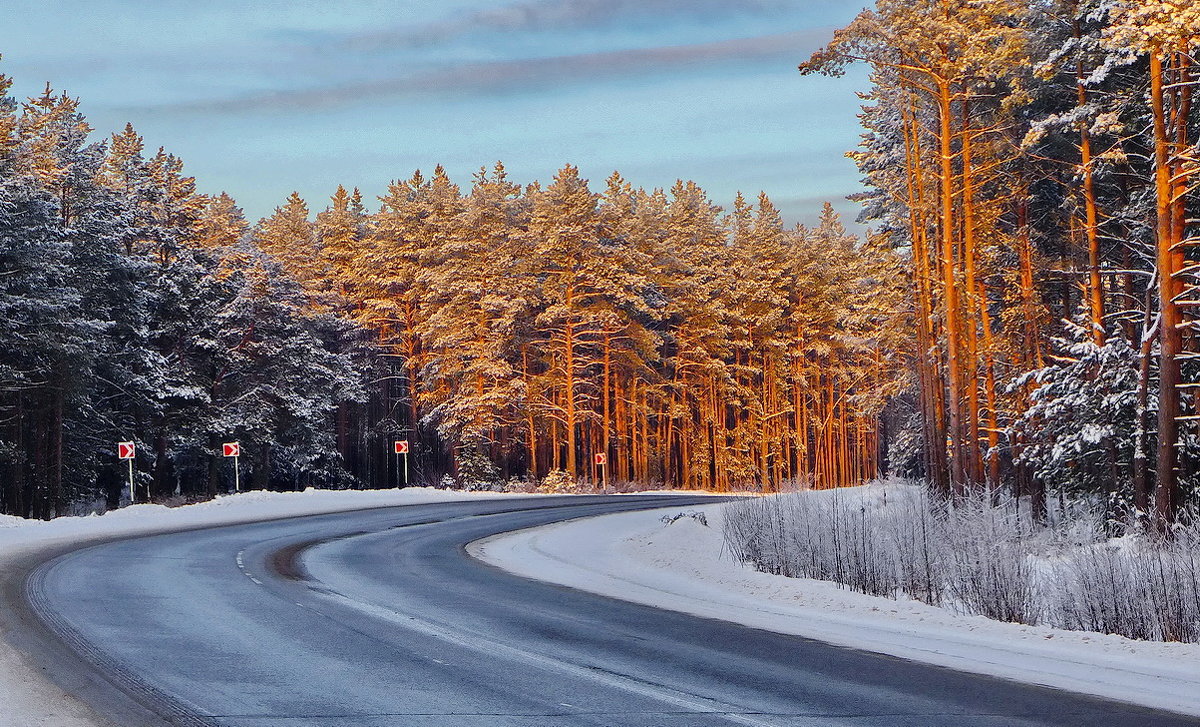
column 681, row 566
column 30, row 697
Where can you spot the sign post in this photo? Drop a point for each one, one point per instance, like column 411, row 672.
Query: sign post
column 127, row 451
column 400, row 447
column 601, row 461
column 234, row 449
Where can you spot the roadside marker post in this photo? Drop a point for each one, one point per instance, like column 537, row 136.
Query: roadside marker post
column 601, row 462
column 127, row 451
column 400, row 447
column 234, row 449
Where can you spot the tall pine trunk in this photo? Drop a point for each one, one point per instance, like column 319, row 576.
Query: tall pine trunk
column 1170, row 262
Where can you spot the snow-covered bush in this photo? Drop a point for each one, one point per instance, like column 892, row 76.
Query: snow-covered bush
column 559, row 482
column 987, row 558
column 906, row 442
column 1137, row 587
column 1078, row 431
column 523, row 484
column 476, row 470
column 916, row 540
column 828, row 536
column 978, row 554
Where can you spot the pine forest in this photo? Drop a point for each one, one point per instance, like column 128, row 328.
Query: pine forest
column 1023, row 316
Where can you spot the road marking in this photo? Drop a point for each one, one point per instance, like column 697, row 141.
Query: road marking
column 241, row 564
column 479, row 642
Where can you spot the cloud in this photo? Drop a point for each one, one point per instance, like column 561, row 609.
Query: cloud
column 540, row 15
column 523, row 74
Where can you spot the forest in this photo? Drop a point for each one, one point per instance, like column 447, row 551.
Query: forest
column 510, row 333
column 1020, row 319
column 1035, row 164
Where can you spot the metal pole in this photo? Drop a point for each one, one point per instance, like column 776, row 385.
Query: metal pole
column 132, row 493
column 397, row 470
column 237, row 476
column 406, row 469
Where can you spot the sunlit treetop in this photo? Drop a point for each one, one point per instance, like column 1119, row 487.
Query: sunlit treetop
column 1148, row 25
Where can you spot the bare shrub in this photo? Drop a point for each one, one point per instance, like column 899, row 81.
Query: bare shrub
column 1136, row 587
column 989, row 569
column 833, row 536
column 978, row 554
column 915, row 538
column 693, row 514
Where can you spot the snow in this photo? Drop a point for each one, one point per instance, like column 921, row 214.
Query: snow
column 28, row 697
column 19, row 533
column 683, row 567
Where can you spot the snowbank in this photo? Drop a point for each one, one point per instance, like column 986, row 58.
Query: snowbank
column 682, row 566
column 30, row 699
column 224, row 510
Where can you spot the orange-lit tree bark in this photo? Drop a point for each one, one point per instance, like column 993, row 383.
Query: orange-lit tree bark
column 1168, row 32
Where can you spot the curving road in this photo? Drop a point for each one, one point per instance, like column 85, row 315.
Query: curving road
column 380, row 617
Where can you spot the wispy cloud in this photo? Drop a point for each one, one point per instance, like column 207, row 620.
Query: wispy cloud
column 557, row 15
column 522, row 74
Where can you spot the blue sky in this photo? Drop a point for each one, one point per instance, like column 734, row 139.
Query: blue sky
column 262, row 98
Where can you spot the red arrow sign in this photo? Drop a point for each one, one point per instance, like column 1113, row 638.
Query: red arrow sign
column 126, row 450
column 401, row 446
column 601, row 459
column 231, row 449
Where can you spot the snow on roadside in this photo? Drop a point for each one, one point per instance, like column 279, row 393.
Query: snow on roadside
column 683, row 567
column 28, row 697
column 244, row 507
column 224, row 510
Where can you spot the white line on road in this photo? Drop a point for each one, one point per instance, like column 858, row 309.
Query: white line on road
column 479, row 642
column 241, row 564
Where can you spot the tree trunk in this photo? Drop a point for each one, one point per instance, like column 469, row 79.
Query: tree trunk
column 1170, row 262
column 1091, row 215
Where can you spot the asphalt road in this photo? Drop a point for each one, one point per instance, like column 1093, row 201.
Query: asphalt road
column 380, row 617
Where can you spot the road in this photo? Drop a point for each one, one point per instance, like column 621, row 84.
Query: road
column 380, row 617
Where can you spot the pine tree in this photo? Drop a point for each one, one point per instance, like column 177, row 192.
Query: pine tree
column 340, row 233
column 221, row 224
column 289, row 237
column 474, row 297
column 1168, row 32
column 564, row 236
column 698, row 269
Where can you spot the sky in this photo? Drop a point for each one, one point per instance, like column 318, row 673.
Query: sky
column 263, row 98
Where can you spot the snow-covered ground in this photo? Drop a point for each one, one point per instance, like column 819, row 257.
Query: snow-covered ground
column 226, row 510
column 27, row 697
column 682, row 566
